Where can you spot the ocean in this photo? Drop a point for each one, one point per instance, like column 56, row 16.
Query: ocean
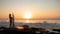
column 33, row 23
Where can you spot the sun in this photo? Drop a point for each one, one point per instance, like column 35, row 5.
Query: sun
column 27, row 15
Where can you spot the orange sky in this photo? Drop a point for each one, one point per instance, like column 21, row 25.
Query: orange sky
column 37, row 8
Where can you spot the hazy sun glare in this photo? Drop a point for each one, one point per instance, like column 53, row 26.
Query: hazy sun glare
column 27, row 15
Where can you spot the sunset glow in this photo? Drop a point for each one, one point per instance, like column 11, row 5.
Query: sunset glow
column 30, row 8
column 27, row 15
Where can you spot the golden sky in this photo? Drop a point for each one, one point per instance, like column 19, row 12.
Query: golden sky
column 37, row 8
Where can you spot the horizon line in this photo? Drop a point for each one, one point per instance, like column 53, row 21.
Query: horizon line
column 35, row 18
